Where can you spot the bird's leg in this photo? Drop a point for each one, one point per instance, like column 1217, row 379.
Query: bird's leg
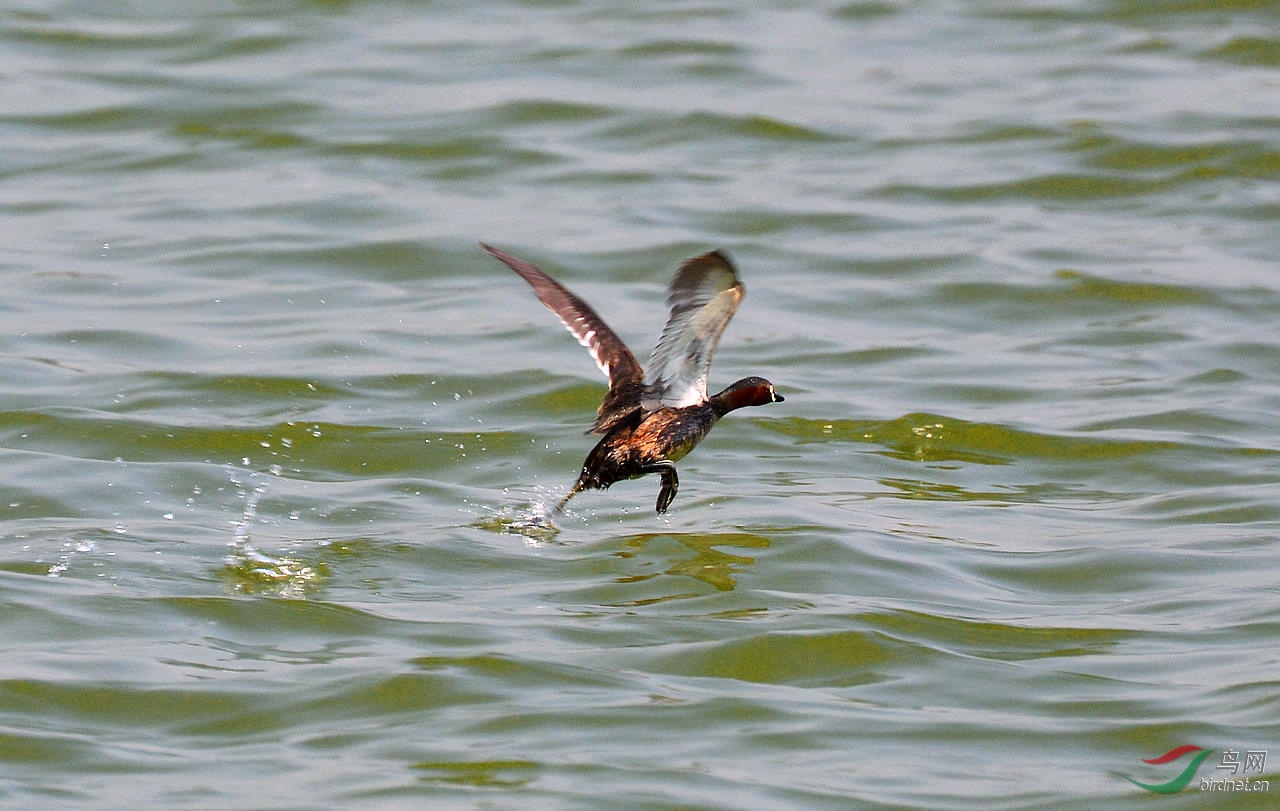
column 670, row 483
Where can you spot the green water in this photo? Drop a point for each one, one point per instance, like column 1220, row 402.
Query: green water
column 272, row 427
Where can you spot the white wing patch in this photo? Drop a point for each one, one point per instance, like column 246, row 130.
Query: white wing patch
column 704, row 295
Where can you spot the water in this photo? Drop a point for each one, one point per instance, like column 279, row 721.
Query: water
column 275, row 433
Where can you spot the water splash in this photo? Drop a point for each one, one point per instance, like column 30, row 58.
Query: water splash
column 69, row 550
column 251, row 571
column 538, row 521
column 250, row 513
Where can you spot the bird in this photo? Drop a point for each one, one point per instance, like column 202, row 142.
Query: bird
column 651, row 420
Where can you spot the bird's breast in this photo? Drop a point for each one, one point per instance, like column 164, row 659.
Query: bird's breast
column 671, row 433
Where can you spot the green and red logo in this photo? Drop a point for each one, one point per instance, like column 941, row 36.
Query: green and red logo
column 1180, row 782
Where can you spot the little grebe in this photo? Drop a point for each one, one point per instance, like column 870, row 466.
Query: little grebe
column 650, row 421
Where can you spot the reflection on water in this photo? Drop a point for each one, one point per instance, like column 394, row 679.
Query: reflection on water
column 708, row 564
column 479, row 773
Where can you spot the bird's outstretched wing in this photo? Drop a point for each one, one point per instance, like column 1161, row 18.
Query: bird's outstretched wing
column 610, row 353
column 703, row 297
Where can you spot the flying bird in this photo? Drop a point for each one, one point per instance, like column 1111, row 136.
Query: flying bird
column 651, row 420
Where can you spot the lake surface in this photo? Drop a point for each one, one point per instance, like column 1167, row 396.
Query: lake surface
column 274, row 431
